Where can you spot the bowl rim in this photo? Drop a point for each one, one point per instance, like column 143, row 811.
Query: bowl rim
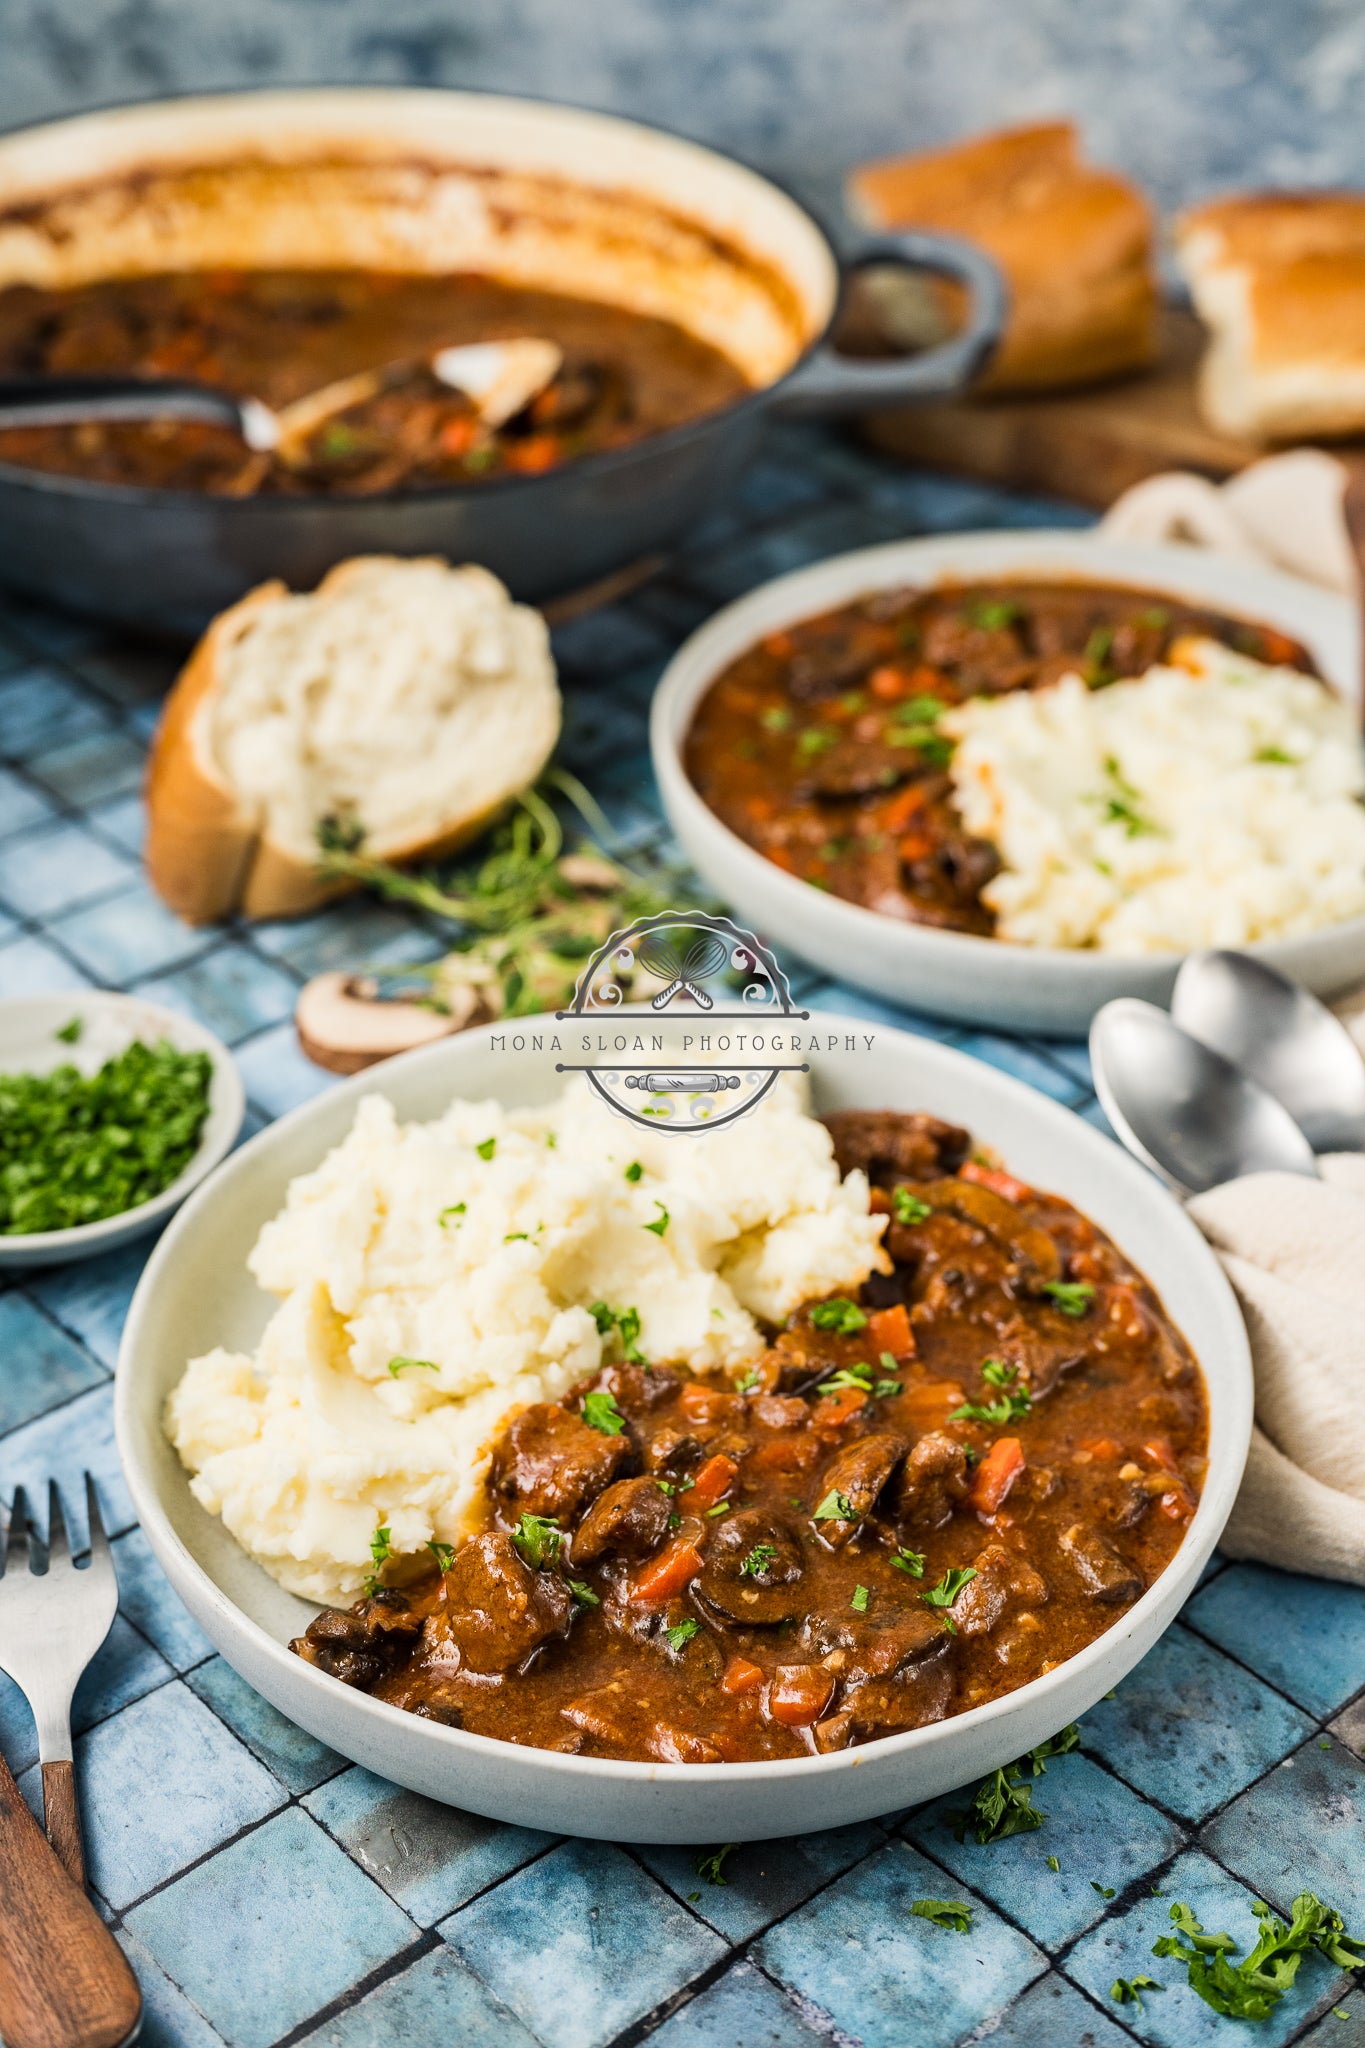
column 221, row 1125
column 605, row 461
column 1181, row 1575
column 1077, row 556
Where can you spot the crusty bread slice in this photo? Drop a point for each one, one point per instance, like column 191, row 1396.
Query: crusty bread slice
column 1279, row 278
column 411, row 698
column 1075, row 244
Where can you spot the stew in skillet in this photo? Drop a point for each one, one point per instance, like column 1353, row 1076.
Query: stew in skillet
column 821, row 746
column 280, row 335
column 913, row 1503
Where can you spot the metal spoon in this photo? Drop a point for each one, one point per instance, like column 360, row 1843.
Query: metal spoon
column 499, row 376
column 1183, row 1109
column 1282, row 1037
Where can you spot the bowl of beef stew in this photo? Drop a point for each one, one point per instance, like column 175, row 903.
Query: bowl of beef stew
column 944, row 1519
column 800, row 741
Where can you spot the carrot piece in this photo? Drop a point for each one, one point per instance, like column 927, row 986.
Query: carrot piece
column 835, row 1409
column 536, row 453
column 458, row 435
column 889, row 1330
column 994, row 1178
column 779, row 644
column 674, row 1568
column 799, row 1693
column 902, row 808
column 792, row 1453
column 1158, row 1451
column 889, row 684
column 1102, row 1447
column 741, row 1676
column 711, row 1483
column 708, row 1404
column 879, row 1201
column 996, row 1474
column 1176, row 1506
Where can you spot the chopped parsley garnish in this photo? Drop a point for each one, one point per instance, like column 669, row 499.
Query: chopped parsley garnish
column 455, row 1209
column 996, row 1373
column 1002, row 1804
column 1120, row 803
column 954, row 1914
column 487, row 1148
column 1156, row 616
column 835, row 1507
column 538, row 1538
column 1126, row 1990
column 844, row 1317
column 710, row 1865
column 584, row 1594
column 1095, row 656
column 911, row 1561
column 601, row 1412
column 681, row 1634
column 626, row 1322
column 1012, row 1406
column 76, row 1148
column 777, row 718
column 909, row 1209
column 747, row 1381
column 722, row 1507
column 516, row 1237
column 859, row 1601
column 444, row 1554
column 816, row 739
column 937, row 750
column 397, row 1365
column 949, row 1586
column 634, row 1171
column 661, row 1221
column 858, row 1375
column 1073, row 1297
column 992, row 614
column 381, row 1550
column 70, row 1033
column 1276, row 756
column 758, row 1561
column 1251, row 1989
column 887, row 1386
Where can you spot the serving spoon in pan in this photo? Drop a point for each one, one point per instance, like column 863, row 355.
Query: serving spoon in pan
column 1182, row 1108
column 499, row 377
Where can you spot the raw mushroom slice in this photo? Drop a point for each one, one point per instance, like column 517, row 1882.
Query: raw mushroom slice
column 345, row 1025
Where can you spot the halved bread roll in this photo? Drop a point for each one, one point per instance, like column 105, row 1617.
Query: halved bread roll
column 408, row 699
column 1279, row 277
column 1075, row 243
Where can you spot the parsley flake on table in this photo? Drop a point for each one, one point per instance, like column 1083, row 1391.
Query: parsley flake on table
column 1002, row 1804
column 1127, row 1990
column 661, row 1222
column 76, row 1148
column 681, row 1634
column 954, row 1914
column 1072, row 1297
column 758, row 1560
column 1053, row 1864
column 401, row 1364
column 1106, row 1891
column 601, row 1412
column 835, row 1507
column 842, row 1316
column 1251, row 1989
column 538, row 1538
column 710, row 1866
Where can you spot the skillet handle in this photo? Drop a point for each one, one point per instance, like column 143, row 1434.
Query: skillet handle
column 828, row 382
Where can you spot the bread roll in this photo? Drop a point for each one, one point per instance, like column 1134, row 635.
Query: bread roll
column 409, row 699
column 1280, row 280
column 1075, row 244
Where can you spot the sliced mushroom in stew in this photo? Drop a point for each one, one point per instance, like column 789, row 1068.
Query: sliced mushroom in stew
column 926, row 1495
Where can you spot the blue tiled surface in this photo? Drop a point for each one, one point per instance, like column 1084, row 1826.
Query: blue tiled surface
column 266, row 1889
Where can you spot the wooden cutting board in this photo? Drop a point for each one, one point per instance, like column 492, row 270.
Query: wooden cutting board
column 1085, row 445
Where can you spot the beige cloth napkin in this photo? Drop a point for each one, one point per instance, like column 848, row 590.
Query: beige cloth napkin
column 1294, row 1250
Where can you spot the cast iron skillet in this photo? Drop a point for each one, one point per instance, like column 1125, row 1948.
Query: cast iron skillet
column 166, row 561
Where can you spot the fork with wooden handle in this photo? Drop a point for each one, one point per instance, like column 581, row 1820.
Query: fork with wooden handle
column 64, row 1981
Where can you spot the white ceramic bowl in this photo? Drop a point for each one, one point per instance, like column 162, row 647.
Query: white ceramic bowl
column 953, row 974
column 109, row 1023
column 196, row 1293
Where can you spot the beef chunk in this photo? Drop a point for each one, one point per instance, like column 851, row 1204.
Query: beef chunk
column 890, row 1146
column 1104, row 1574
column 858, row 1474
column 875, row 1645
column 855, row 767
column 611, row 1718
column 670, row 1451
column 550, row 1462
column 362, row 1646
column 630, row 1520
column 637, row 1391
column 497, row 1610
column 1004, row 1580
column 931, row 1483
column 754, row 1569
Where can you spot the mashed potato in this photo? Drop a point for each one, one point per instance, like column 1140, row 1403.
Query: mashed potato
column 435, row 1276
column 1207, row 804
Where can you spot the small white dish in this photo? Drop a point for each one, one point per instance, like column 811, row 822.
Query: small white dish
column 955, row 974
column 109, row 1023
column 196, row 1293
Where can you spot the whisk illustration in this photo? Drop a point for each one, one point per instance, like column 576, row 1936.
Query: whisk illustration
column 663, row 954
